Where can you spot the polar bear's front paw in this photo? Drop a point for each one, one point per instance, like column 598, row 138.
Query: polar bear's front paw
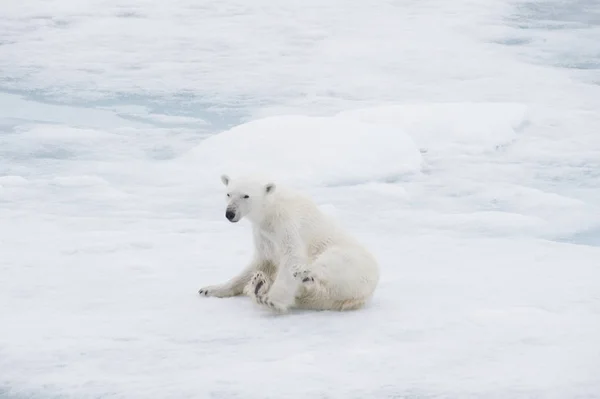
column 304, row 276
column 271, row 303
column 273, row 299
column 216, row 291
column 258, row 284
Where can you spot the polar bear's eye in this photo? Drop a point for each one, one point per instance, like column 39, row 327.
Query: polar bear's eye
column 229, row 195
column 246, row 196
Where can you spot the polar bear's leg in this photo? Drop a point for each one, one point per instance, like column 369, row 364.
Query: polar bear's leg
column 339, row 279
column 258, row 289
column 313, row 292
column 348, row 304
column 281, row 293
column 316, row 295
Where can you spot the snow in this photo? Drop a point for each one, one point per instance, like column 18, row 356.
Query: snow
column 452, row 127
column 306, row 150
column 458, row 140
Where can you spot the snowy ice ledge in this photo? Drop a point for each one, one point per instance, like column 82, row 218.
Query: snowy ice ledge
column 451, row 127
column 308, row 150
column 375, row 144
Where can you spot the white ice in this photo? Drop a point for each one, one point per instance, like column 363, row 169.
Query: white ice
column 305, row 150
column 459, row 140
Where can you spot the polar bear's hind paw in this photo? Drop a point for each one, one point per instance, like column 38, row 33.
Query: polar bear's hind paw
column 305, row 276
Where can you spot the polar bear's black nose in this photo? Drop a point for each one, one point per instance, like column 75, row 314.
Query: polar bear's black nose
column 229, row 214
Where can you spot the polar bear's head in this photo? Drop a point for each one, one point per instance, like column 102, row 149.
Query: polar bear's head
column 246, row 197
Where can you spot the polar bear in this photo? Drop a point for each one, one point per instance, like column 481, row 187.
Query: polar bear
column 302, row 258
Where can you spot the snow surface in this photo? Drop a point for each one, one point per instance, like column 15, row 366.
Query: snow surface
column 459, row 140
column 305, row 150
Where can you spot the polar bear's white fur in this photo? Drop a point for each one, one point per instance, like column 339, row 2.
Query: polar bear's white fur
column 302, row 259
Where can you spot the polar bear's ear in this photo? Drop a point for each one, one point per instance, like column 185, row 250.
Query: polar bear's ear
column 269, row 188
column 225, row 179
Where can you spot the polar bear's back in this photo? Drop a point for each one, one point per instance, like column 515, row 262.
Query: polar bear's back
column 317, row 230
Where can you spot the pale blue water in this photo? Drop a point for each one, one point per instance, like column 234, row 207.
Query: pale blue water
column 563, row 34
column 184, row 104
column 550, row 32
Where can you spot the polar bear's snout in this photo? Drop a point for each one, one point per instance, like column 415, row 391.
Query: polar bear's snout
column 231, row 215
